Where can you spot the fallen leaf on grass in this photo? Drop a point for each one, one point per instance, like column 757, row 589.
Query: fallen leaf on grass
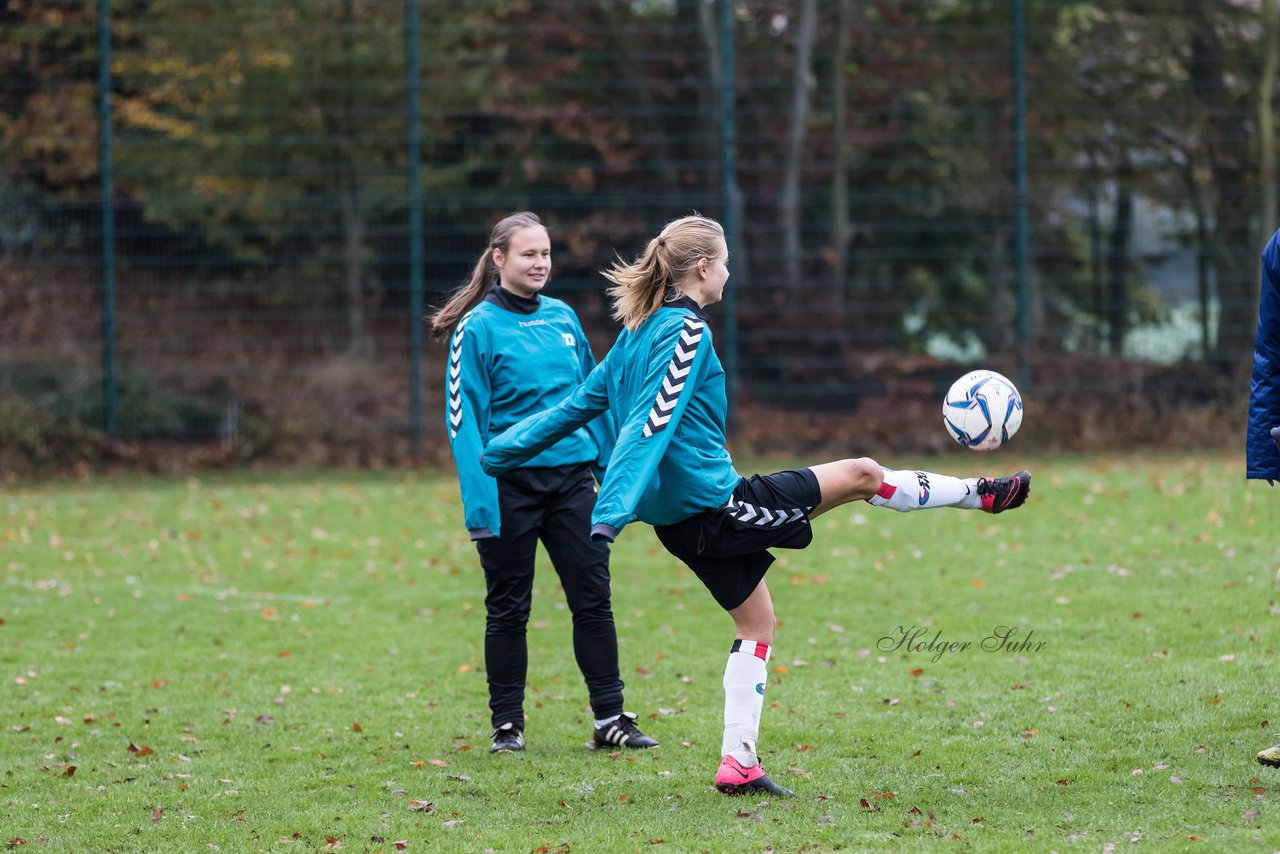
column 156, row 814
column 1250, row 815
column 453, row 821
column 144, row 750
column 422, row 806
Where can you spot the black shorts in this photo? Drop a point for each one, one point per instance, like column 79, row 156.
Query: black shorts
column 727, row 548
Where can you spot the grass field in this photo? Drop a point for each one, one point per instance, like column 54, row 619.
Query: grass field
column 294, row 663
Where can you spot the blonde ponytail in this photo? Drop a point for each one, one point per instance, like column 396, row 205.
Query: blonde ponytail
column 640, row 287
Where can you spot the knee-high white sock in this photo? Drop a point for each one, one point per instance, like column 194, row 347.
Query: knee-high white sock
column 744, row 680
column 923, row 490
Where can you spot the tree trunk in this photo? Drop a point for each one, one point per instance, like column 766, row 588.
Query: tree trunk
column 709, row 29
column 1204, row 252
column 643, row 85
column 1227, row 143
column 840, row 230
column 1098, row 288
column 349, row 183
column 1266, row 119
column 789, row 197
column 1118, row 263
column 997, row 334
column 359, row 341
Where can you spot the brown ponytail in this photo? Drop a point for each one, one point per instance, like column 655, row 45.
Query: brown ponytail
column 483, row 274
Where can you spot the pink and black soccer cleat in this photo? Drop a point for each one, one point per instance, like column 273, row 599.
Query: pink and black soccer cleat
column 1004, row 493
column 734, row 778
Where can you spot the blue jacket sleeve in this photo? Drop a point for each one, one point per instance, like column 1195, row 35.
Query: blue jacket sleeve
column 678, row 363
column 602, row 429
column 522, row 442
column 1261, row 453
column 467, row 412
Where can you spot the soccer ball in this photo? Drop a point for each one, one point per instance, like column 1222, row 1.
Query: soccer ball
column 982, row 410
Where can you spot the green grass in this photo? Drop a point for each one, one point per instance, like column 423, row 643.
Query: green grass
column 293, row 663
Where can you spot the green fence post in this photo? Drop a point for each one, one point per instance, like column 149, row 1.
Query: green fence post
column 413, row 87
column 728, row 194
column 1022, row 224
column 108, row 222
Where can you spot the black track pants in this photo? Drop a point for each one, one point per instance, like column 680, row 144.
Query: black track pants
column 552, row 505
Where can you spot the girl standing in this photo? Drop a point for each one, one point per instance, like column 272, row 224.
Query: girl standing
column 513, row 353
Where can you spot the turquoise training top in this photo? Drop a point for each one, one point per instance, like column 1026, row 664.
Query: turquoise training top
column 510, row 358
column 665, row 387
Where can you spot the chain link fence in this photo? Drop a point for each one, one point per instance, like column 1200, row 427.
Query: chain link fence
column 221, row 223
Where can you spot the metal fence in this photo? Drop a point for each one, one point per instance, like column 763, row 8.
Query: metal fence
column 224, row 221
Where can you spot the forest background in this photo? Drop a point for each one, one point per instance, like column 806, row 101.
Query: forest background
column 220, row 223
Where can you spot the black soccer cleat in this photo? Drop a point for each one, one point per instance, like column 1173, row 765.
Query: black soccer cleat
column 734, row 778
column 507, row 737
column 622, row 732
column 1004, row 493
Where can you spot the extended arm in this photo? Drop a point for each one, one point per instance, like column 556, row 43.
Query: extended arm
column 524, row 441
column 676, row 369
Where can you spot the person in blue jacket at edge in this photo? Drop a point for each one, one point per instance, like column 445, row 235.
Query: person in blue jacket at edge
column 665, row 387
column 1262, row 442
column 514, row 352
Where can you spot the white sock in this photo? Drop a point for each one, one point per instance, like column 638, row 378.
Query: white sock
column 606, row 721
column 744, row 680
column 923, row 490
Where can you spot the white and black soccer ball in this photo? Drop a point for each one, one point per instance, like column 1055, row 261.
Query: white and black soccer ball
column 982, row 410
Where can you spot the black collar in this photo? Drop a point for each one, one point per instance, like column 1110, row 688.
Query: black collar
column 503, row 298
column 683, row 301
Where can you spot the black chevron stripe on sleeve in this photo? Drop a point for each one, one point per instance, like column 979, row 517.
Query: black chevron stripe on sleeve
column 455, row 379
column 677, row 375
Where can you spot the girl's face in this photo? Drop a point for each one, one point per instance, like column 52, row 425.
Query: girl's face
column 711, row 275
column 526, row 265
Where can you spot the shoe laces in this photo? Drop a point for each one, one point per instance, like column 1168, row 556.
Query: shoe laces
column 627, row 723
column 507, row 729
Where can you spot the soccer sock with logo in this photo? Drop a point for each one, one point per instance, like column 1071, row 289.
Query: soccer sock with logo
column 923, row 490
column 744, row 679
